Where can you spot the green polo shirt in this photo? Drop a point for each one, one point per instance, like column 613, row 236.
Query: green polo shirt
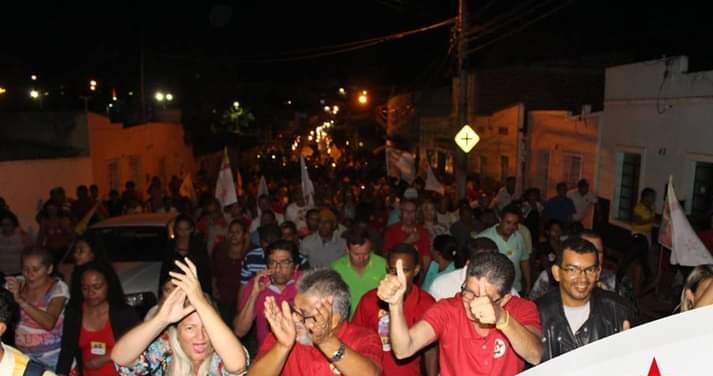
column 359, row 284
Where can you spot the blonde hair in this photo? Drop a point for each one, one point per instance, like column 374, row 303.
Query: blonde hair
column 699, row 274
column 181, row 364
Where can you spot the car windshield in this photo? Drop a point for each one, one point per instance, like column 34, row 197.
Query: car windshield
column 128, row 244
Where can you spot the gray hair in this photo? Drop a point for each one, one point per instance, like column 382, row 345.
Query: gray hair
column 495, row 267
column 324, row 283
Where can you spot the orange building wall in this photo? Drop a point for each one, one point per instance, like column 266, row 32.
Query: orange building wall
column 558, row 134
column 159, row 149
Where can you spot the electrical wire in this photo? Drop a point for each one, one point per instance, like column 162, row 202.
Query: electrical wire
column 505, row 21
column 518, row 29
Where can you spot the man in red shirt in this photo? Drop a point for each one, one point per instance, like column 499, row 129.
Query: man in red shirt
column 374, row 314
column 409, row 232
column 327, row 343
column 481, row 331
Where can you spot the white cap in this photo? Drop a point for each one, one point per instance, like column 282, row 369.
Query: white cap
column 410, row 193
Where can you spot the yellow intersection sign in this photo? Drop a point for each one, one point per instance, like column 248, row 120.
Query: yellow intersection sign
column 466, row 138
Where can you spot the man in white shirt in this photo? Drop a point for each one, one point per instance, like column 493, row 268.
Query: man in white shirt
column 583, row 200
column 449, row 284
column 297, row 210
column 264, row 204
column 505, row 195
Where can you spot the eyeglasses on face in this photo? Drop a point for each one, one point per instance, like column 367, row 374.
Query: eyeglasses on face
column 469, row 294
column 300, row 316
column 575, row 271
column 280, row 264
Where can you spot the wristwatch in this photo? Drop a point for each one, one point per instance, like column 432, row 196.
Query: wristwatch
column 339, row 354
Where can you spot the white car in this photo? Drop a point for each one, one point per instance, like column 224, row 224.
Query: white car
column 135, row 244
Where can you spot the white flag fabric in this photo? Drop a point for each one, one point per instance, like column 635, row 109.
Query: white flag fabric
column 400, row 164
column 225, row 186
column 262, row 188
column 432, row 184
column 676, row 234
column 680, row 344
column 186, row 189
column 307, row 186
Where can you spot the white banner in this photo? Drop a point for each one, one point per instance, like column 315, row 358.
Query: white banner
column 680, row 344
column 432, row 184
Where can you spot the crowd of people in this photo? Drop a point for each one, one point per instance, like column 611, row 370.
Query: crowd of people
column 367, row 277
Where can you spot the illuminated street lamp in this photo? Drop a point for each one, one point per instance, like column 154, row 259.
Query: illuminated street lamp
column 33, row 77
column 2, row 90
column 159, row 96
column 34, row 94
column 342, row 91
column 363, row 98
column 236, row 104
column 169, row 97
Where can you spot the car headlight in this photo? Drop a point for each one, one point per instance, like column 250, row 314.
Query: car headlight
column 140, row 299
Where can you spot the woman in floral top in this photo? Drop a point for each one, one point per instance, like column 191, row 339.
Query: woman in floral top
column 197, row 341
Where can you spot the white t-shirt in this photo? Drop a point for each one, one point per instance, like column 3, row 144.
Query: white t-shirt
column 256, row 221
column 576, row 316
column 581, row 203
column 297, row 214
column 448, row 285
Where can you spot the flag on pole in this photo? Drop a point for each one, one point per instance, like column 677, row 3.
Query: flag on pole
column 400, row 164
column 432, row 184
column 186, row 189
column 239, row 183
column 225, row 186
column 262, row 187
column 307, row 186
column 676, row 234
column 672, row 346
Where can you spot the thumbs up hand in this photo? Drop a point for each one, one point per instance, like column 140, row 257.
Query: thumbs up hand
column 393, row 287
column 483, row 308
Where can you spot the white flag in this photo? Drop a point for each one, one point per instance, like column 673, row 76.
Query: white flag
column 307, row 186
column 432, row 184
column 262, row 188
column 676, row 234
column 677, row 345
column 400, row 164
column 225, row 186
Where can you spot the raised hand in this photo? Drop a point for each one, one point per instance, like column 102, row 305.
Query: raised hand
column 260, row 282
column 393, row 287
column 483, row 308
column 173, row 309
column 188, row 281
column 321, row 327
column 14, row 286
column 281, row 322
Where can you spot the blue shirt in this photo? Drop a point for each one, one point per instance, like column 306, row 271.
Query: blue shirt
column 254, row 262
column 433, row 273
column 559, row 208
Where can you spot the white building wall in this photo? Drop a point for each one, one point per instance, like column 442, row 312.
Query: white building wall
column 668, row 121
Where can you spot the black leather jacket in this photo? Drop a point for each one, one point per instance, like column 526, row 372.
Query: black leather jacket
column 607, row 312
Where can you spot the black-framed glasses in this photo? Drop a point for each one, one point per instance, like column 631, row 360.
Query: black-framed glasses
column 574, row 271
column 469, row 294
column 302, row 317
column 280, row 264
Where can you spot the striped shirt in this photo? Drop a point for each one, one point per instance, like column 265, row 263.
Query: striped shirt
column 254, row 262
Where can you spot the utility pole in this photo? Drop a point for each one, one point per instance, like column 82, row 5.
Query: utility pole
column 461, row 168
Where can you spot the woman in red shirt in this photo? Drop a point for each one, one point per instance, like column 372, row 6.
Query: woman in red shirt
column 95, row 323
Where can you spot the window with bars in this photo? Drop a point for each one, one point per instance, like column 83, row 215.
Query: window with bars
column 504, row 167
column 629, row 185
column 113, row 174
column 135, row 169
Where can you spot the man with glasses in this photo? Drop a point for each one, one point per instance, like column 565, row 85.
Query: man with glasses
column 326, row 343
column 277, row 281
column 360, row 268
column 483, row 330
column 579, row 312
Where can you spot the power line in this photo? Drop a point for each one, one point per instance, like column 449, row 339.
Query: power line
column 518, row 29
column 504, row 20
column 350, row 46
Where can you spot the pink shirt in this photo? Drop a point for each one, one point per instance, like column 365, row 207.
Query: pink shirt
column 288, row 294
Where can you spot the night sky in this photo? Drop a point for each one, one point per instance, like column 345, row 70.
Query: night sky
column 219, row 50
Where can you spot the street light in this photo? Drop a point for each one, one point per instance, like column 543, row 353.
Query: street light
column 34, row 94
column 33, row 77
column 2, row 90
column 169, row 97
column 236, row 104
column 342, row 91
column 363, row 98
column 159, row 96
